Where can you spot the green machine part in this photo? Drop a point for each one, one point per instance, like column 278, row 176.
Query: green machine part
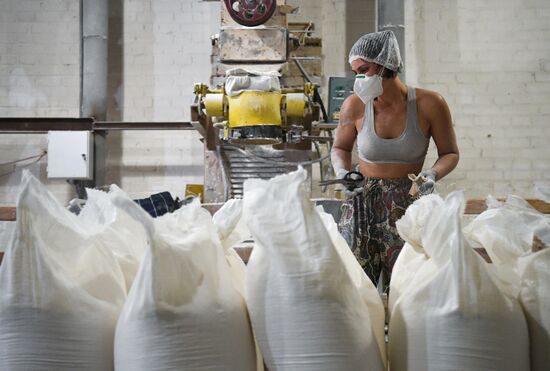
column 339, row 88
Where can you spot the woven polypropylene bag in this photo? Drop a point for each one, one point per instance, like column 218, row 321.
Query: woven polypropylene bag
column 456, row 318
column 61, row 289
column 413, row 256
column 118, row 231
column 232, row 230
column 183, row 311
column 306, row 309
column 534, row 296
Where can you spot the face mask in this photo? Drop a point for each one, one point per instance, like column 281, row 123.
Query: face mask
column 368, row 87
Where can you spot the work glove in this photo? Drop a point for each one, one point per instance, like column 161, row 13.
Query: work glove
column 341, row 173
column 75, row 205
column 352, row 193
column 427, row 184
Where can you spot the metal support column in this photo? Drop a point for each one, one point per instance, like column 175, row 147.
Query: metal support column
column 94, row 27
column 391, row 16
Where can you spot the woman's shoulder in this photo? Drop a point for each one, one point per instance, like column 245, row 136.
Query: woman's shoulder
column 430, row 103
column 429, row 98
column 352, row 108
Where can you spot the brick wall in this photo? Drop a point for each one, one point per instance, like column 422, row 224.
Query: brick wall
column 39, row 76
column 339, row 23
column 308, row 11
column 166, row 50
column 157, row 51
column 491, row 61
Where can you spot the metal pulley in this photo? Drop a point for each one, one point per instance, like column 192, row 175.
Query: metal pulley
column 251, row 12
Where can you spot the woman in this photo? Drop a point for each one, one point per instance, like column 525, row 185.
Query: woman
column 393, row 124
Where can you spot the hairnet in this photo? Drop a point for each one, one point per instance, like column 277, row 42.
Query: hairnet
column 380, row 48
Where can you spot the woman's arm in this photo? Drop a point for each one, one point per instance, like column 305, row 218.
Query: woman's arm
column 344, row 136
column 441, row 130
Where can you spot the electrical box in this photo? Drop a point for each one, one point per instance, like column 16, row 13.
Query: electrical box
column 70, row 154
column 339, row 88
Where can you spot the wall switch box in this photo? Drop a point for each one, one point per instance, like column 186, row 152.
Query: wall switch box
column 70, row 154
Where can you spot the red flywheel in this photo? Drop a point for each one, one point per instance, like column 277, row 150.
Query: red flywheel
column 251, row 12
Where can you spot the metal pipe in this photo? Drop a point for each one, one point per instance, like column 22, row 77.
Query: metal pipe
column 94, row 47
column 124, row 125
column 35, row 125
column 94, row 28
column 391, row 16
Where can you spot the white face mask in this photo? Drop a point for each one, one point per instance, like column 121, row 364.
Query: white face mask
column 367, row 87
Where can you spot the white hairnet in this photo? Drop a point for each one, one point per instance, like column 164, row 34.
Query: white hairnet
column 380, row 48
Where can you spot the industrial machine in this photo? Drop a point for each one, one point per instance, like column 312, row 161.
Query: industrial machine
column 255, row 116
column 339, row 88
column 257, row 111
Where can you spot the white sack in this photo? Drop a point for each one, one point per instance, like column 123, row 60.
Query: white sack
column 232, row 229
column 505, row 230
column 183, row 312
column 406, row 266
column 62, row 290
column 412, row 255
column 306, row 310
column 239, row 80
column 542, row 191
column 229, row 223
column 457, row 319
column 535, row 299
column 360, row 280
column 121, row 233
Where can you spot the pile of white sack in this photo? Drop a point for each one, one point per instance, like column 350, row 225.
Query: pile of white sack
column 449, row 309
column 113, row 288
column 61, row 284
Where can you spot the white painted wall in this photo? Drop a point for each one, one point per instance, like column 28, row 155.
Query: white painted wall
column 39, row 64
column 161, row 49
column 166, row 50
column 491, row 61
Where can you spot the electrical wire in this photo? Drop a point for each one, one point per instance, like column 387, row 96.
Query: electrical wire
column 14, row 163
column 23, row 159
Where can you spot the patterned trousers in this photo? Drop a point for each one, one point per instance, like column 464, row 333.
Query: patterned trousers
column 368, row 225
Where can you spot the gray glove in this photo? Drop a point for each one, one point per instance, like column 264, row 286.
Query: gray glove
column 354, row 192
column 75, row 205
column 428, row 178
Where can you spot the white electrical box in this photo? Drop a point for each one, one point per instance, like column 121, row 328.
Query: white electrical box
column 70, row 154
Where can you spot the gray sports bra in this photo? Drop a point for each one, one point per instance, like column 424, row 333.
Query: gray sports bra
column 409, row 148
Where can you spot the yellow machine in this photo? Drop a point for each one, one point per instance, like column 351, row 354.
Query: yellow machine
column 257, row 117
